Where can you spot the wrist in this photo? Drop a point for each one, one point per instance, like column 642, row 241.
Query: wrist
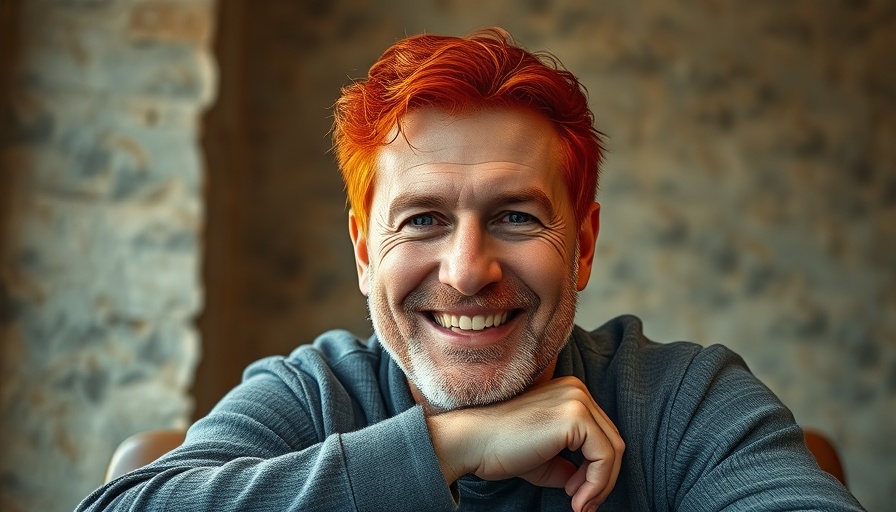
column 451, row 440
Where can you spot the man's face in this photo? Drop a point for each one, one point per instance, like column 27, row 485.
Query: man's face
column 473, row 257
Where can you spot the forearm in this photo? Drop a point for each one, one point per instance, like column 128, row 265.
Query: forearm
column 194, row 479
column 273, row 443
column 389, row 465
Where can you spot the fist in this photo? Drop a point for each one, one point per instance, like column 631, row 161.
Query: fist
column 524, row 436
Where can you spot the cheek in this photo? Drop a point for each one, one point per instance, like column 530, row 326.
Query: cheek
column 542, row 268
column 401, row 270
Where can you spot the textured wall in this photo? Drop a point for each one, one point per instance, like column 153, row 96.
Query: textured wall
column 749, row 198
column 102, row 210
column 749, row 195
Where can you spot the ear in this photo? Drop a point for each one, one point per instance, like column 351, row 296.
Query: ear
column 362, row 259
column 587, row 238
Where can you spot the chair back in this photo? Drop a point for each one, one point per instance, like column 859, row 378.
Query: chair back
column 825, row 454
column 141, row 449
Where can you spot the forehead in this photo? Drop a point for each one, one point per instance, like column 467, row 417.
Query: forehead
column 484, row 148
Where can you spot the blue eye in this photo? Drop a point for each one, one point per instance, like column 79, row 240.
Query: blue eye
column 518, row 218
column 422, row 220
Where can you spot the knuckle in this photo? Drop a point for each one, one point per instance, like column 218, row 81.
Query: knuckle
column 576, row 393
column 597, row 470
column 619, row 445
column 575, row 409
column 573, row 383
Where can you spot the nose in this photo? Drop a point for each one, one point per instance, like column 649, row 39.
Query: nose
column 469, row 262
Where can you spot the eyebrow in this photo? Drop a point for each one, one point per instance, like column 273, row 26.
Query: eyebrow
column 528, row 195
column 410, row 200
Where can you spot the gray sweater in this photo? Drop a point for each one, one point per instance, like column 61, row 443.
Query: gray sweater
column 334, row 427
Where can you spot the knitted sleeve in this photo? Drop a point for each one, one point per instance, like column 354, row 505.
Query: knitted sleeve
column 267, row 446
column 730, row 444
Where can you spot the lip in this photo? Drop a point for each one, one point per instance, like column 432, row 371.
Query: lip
column 470, row 338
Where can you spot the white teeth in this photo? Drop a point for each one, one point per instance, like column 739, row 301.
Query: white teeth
column 478, row 323
column 466, row 323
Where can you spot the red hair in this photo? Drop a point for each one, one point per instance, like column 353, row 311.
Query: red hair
column 486, row 69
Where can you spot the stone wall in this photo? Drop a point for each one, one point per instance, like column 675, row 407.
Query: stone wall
column 99, row 269
column 749, row 194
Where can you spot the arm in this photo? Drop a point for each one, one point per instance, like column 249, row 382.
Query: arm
column 524, row 436
column 731, row 444
column 260, row 449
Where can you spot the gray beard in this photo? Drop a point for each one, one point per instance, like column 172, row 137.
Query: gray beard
column 469, row 387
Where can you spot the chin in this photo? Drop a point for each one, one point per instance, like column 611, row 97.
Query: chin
column 473, row 386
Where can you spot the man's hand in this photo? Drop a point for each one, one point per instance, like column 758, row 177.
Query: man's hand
column 523, row 437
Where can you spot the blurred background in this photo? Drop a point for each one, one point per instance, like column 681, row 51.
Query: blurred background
column 170, row 211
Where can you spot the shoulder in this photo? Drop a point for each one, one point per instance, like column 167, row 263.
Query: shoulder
column 334, row 379
column 330, row 355
column 623, row 347
column 639, row 375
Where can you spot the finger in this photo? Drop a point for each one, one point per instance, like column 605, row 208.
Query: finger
column 600, row 446
column 594, row 481
column 597, row 476
column 553, row 473
column 596, row 486
column 610, row 446
column 588, row 506
column 575, row 481
column 602, row 419
column 603, row 460
column 581, row 393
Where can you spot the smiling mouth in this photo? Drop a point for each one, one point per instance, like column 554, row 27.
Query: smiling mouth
column 471, row 323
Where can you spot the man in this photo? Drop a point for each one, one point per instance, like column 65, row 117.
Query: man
column 471, row 167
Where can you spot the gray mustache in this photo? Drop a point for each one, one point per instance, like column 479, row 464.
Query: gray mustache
column 504, row 295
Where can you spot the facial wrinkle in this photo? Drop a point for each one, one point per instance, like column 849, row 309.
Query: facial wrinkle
column 390, row 242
